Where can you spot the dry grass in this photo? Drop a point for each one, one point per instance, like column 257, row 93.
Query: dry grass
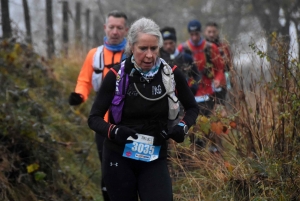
column 259, row 159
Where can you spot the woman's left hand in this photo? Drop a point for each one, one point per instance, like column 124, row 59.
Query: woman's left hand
column 177, row 134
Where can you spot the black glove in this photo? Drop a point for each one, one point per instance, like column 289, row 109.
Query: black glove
column 177, row 134
column 159, row 139
column 120, row 134
column 75, row 98
column 164, row 135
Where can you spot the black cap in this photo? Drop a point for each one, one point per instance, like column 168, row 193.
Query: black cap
column 168, row 33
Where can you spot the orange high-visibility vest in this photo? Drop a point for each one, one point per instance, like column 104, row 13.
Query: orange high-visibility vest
column 95, row 67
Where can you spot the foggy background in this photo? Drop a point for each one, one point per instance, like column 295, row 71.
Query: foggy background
column 241, row 22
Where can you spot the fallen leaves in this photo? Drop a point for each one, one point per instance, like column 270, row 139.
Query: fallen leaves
column 38, row 176
column 204, row 119
column 232, row 124
column 228, row 166
column 32, row 167
column 217, row 127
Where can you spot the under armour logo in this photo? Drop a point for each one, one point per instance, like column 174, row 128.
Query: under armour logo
column 116, row 164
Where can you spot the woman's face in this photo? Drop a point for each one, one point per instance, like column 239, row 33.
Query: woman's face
column 145, row 51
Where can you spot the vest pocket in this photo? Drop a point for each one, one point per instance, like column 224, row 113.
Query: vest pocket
column 173, row 106
column 96, row 80
column 117, row 107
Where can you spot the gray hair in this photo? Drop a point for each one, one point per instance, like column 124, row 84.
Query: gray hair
column 142, row 25
column 116, row 14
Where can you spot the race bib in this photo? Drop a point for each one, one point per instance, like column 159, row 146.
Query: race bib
column 200, row 99
column 141, row 148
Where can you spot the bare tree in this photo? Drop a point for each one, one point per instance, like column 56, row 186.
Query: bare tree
column 297, row 25
column 65, row 27
column 78, row 33
column 27, row 22
column 246, row 15
column 276, row 17
column 97, row 33
column 87, row 30
column 233, row 19
column 6, row 27
column 49, row 29
column 101, row 13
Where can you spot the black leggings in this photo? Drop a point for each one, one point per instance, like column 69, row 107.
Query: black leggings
column 206, row 108
column 221, row 96
column 99, row 141
column 126, row 179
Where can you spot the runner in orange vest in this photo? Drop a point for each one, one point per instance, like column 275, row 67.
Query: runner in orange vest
column 96, row 65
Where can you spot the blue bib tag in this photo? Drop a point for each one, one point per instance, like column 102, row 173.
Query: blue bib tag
column 200, row 99
column 141, row 149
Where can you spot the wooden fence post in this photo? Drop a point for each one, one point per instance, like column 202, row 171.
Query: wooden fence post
column 49, row 29
column 65, row 28
column 6, row 27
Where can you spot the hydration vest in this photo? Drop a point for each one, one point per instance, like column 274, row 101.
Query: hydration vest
column 99, row 65
column 122, row 82
column 208, row 69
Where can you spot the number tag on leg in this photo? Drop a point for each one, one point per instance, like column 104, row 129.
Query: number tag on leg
column 200, row 99
column 141, row 148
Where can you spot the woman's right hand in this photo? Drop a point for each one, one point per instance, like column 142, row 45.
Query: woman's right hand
column 120, row 134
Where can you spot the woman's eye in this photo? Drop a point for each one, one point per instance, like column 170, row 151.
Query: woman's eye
column 153, row 48
column 143, row 48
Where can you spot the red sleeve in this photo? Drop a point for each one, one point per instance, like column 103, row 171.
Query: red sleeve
column 84, row 81
column 180, row 48
column 218, row 62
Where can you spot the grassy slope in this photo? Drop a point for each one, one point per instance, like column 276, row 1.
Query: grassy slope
column 47, row 151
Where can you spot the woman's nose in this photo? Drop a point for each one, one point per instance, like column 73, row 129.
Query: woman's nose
column 149, row 53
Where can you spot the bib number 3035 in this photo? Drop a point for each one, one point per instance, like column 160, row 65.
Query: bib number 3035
column 141, row 149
